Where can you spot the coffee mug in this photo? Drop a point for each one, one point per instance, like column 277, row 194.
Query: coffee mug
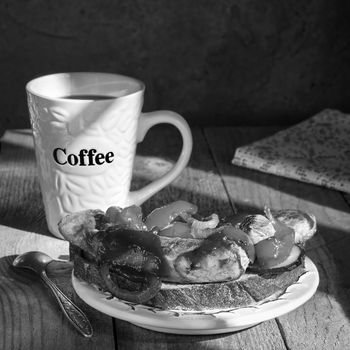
column 86, row 127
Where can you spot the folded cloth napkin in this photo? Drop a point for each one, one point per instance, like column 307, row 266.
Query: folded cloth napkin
column 315, row 151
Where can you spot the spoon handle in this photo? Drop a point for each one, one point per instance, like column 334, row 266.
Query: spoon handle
column 72, row 312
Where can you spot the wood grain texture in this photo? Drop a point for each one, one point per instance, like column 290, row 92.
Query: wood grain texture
column 323, row 322
column 201, row 184
column 30, row 318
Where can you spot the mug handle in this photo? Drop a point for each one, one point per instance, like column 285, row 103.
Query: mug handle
column 146, row 121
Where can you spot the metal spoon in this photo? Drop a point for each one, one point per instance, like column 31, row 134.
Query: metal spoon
column 37, row 262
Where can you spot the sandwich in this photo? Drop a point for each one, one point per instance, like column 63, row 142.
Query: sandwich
column 174, row 259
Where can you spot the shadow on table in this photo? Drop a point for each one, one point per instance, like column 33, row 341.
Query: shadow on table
column 36, row 224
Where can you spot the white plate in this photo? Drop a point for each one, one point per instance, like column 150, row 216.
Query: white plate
column 209, row 322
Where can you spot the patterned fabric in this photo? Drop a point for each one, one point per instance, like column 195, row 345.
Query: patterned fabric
column 315, row 151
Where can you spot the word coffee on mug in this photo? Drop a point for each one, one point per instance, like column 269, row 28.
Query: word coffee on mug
column 86, row 127
column 84, row 158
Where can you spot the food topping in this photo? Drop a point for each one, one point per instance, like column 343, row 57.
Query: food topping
column 172, row 244
column 76, row 228
column 241, row 238
column 274, row 250
column 131, row 263
column 177, row 229
column 216, row 259
column 295, row 257
column 291, row 258
column 258, row 227
column 130, row 217
column 203, row 229
column 304, row 224
column 129, row 284
column 164, row 216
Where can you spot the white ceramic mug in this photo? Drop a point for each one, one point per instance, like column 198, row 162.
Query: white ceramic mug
column 86, row 127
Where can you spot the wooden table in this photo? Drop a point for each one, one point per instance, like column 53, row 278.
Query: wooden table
column 30, row 318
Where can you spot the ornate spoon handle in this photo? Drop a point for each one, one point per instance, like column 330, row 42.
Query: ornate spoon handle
column 72, row 312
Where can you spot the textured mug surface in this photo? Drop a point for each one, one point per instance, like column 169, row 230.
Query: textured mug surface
column 85, row 147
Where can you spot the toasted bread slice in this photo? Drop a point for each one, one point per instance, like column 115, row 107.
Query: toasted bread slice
column 249, row 290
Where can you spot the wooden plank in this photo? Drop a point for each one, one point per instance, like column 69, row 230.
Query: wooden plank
column 263, row 337
column 201, row 184
column 29, row 316
column 323, row 322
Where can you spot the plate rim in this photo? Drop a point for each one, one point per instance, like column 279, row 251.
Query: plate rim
column 181, row 321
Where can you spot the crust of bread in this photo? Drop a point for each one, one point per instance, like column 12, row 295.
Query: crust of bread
column 250, row 289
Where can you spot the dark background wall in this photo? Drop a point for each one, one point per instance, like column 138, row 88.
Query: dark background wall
column 214, row 61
